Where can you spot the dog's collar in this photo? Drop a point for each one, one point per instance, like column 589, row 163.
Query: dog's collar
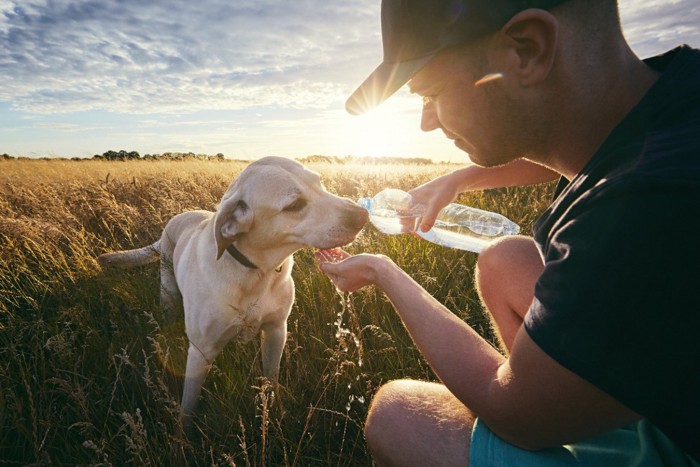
column 240, row 257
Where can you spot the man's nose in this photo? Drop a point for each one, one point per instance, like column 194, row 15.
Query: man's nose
column 429, row 120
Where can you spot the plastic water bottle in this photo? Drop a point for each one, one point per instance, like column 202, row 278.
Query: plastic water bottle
column 394, row 212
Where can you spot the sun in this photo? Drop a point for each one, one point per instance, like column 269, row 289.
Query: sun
column 384, row 131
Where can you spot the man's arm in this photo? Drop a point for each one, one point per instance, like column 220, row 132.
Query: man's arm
column 528, row 399
column 441, row 191
column 517, row 173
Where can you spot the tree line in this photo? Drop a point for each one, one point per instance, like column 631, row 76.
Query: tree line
column 182, row 156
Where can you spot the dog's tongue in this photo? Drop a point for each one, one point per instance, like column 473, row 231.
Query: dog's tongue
column 332, row 255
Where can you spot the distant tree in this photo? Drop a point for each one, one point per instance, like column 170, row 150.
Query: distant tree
column 121, row 155
column 319, row 159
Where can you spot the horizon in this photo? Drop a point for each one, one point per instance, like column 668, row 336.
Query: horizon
column 174, row 156
column 245, row 79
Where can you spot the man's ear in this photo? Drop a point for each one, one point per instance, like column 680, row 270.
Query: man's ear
column 530, row 39
column 233, row 218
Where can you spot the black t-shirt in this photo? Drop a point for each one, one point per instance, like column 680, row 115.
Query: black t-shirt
column 618, row 301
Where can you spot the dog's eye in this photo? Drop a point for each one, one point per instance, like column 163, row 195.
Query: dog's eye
column 296, row 206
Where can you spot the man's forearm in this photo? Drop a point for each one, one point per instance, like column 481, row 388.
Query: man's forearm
column 518, row 173
column 464, row 361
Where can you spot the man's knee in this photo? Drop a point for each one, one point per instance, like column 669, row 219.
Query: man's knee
column 394, row 421
column 507, row 260
column 386, row 407
column 411, row 420
column 493, row 258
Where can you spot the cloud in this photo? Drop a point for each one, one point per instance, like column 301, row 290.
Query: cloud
column 162, row 56
column 653, row 26
column 165, row 56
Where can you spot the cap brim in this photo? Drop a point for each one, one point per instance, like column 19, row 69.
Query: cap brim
column 384, row 81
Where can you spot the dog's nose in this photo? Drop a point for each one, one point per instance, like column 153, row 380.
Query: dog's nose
column 352, row 215
column 358, row 217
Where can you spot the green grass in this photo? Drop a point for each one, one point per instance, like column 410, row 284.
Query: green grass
column 90, row 376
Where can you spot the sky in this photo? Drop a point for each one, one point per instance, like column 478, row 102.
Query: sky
column 246, row 78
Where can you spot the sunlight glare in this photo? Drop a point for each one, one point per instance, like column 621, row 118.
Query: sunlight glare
column 381, row 131
column 488, row 78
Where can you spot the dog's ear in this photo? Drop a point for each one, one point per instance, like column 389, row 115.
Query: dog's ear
column 234, row 217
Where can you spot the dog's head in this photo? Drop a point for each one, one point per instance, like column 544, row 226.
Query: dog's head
column 277, row 206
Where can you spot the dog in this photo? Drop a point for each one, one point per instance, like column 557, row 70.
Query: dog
column 230, row 270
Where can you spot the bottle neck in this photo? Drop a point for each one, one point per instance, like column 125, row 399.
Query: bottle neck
column 365, row 203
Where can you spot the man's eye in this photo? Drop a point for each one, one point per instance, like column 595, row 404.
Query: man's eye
column 297, row 205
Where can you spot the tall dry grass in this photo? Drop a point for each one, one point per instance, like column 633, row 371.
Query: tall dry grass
column 89, row 375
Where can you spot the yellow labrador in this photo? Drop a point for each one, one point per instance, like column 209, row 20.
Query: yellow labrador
column 231, row 269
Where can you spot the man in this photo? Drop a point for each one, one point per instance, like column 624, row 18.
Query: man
column 597, row 312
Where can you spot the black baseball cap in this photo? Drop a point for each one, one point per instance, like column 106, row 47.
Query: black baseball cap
column 413, row 31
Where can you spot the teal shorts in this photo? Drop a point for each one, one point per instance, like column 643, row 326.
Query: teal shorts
column 640, row 444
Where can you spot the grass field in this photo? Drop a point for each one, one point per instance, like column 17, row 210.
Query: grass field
column 89, row 376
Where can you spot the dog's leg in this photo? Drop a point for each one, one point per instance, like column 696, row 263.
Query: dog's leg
column 274, row 336
column 170, row 296
column 198, row 365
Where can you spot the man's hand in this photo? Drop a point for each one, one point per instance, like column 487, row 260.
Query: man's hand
column 349, row 273
column 434, row 195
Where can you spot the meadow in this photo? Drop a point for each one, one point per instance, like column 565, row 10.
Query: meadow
column 90, row 375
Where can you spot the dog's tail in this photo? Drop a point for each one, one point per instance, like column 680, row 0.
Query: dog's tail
column 131, row 258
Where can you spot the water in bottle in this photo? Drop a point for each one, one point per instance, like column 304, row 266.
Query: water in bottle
column 394, row 212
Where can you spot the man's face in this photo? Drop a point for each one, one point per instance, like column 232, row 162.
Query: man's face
column 469, row 103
